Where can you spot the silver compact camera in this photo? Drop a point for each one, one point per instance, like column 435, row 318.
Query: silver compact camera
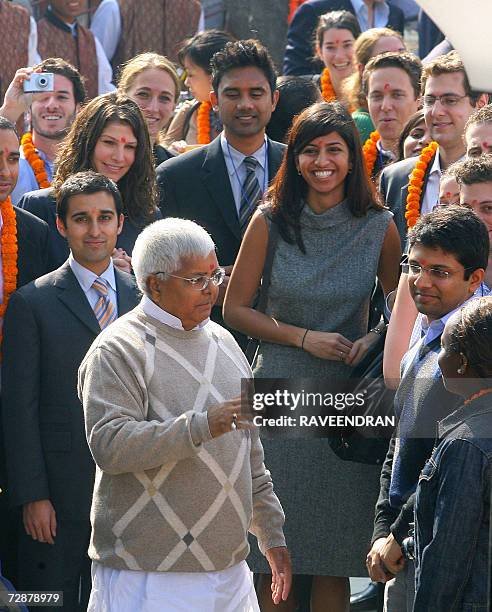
column 39, row 82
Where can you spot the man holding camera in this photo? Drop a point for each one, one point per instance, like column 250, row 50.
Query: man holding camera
column 57, row 92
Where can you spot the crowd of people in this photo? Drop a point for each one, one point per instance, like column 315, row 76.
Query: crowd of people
column 175, row 219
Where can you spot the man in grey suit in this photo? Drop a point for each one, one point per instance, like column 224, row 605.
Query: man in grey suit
column 448, row 102
column 49, row 326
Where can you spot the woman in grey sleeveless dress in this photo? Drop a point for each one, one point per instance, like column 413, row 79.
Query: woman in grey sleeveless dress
column 334, row 239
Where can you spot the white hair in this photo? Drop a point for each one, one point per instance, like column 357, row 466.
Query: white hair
column 162, row 245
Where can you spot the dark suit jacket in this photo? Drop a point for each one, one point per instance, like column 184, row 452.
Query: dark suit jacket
column 49, row 326
column 33, row 240
column 393, row 185
column 42, row 204
column 196, row 186
column 299, row 50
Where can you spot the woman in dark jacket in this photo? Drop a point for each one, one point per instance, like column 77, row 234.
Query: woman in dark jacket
column 110, row 136
column 453, row 496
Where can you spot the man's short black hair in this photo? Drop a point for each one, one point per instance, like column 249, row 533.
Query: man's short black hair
column 455, row 230
column 85, row 182
column 243, row 54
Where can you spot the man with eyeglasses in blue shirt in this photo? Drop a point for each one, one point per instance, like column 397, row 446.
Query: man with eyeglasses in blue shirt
column 448, row 255
column 448, row 101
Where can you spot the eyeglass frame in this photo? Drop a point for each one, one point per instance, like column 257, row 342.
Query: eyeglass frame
column 435, row 273
column 206, row 279
column 439, row 98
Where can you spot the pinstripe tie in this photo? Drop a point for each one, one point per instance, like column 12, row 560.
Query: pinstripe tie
column 104, row 310
column 251, row 193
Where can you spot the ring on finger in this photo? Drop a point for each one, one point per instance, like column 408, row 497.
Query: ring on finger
column 341, row 355
column 234, row 422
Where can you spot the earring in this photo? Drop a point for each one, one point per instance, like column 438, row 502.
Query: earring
column 298, row 172
column 461, row 370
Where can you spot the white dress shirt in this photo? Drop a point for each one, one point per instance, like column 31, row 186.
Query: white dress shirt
column 237, row 169
column 153, row 310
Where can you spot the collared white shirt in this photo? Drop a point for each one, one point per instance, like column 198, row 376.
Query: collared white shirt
column 431, row 194
column 236, row 168
column 27, row 181
column 104, row 70
column 33, row 56
column 86, row 278
column 381, row 14
column 153, row 310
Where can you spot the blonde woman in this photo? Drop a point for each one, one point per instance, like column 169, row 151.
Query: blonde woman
column 152, row 82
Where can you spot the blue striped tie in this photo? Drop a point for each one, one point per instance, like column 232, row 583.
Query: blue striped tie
column 104, row 310
column 251, row 193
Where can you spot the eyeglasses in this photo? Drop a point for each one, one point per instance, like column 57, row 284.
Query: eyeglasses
column 434, row 273
column 448, row 100
column 200, row 283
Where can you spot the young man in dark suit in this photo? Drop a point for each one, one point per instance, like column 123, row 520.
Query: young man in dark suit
column 31, row 261
column 298, row 59
column 49, row 326
column 220, row 184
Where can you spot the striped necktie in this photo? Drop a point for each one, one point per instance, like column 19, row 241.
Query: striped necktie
column 104, row 310
column 250, row 193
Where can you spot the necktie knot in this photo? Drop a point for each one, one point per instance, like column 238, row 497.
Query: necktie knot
column 251, row 163
column 101, row 286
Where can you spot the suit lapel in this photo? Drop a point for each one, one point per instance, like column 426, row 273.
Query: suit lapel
column 216, row 178
column 126, row 292
column 71, row 294
column 275, row 156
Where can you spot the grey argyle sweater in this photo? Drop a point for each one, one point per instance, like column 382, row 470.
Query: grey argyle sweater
column 167, row 496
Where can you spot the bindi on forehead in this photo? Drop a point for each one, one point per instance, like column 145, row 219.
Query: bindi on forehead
column 123, row 140
column 211, row 267
column 448, row 194
column 386, row 86
column 485, row 144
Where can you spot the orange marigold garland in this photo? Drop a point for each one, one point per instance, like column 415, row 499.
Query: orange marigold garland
column 203, row 123
column 9, row 254
column 370, row 152
column 293, row 6
column 416, row 184
column 36, row 163
column 327, row 90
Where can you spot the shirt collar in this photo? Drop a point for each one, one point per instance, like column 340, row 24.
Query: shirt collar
column 385, row 152
column 153, row 310
column 435, row 328
column 86, row 277
column 358, row 5
column 237, row 157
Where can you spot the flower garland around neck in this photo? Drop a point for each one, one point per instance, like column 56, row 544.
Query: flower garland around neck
column 293, row 6
column 416, row 184
column 36, row 163
column 327, row 89
column 475, row 396
column 370, row 152
column 9, row 254
column 204, row 129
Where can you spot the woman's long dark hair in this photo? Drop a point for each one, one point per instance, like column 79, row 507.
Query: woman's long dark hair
column 289, row 189
column 137, row 187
